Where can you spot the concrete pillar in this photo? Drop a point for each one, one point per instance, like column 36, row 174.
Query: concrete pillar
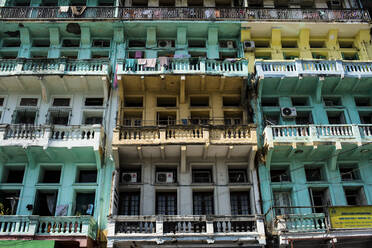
column 85, row 44
column 222, row 192
column 304, row 44
column 185, row 201
column 212, row 44
column 362, row 43
column 276, row 44
column 245, row 35
column 148, row 192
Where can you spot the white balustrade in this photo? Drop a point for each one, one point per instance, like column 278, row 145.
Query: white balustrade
column 301, row 222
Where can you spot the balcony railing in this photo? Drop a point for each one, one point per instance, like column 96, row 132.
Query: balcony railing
column 298, row 68
column 179, row 226
column 53, row 66
column 15, row 225
column 238, row 67
column 317, row 133
column 188, row 134
column 183, row 13
column 315, row 222
column 55, row 136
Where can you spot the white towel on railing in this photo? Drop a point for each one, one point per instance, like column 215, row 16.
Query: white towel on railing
column 150, row 63
column 63, row 9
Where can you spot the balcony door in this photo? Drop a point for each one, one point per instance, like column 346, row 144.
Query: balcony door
column 319, row 199
column 45, row 203
column 282, row 200
column 166, row 203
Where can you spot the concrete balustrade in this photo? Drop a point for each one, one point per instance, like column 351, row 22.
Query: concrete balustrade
column 17, row 225
column 239, row 134
column 352, row 133
column 179, row 226
column 9, row 67
column 298, row 68
column 315, row 222
column 186, row 66
column 54, row 136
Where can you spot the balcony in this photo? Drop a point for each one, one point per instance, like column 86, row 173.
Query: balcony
column 315, row 222
column 311, row 134
column 161, row 229
column 51, row 136
column 47, row 227
column 188, row 134
column 229, row 68
column 53, row 67
column 298, row 68
column 183, row 13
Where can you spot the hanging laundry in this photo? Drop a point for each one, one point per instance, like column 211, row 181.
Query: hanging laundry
column 63, row 9
column 142, row 61
column 150, row 63
column 138, row 54
column 130, row 64
column 164, row 61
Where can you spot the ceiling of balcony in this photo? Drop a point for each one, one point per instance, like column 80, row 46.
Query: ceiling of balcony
column 308, row 85
column 53, row 83
column 171, row 83
column 192, row 152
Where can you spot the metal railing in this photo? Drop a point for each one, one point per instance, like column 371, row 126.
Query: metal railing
column 183, row 13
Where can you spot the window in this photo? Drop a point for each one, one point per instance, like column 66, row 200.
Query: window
column 280, row 174
column 84, row 203
column 270, row 102
column 101, row 43
column 231, row 101
column 199, row 101
column 50, row 175
column 133, row 101
column 272, row 118
column 11, row 43
column 41, row 43
column 167, row 3
column 201, row 176
column 199, row 117
column 332, row 101
column 93, row 101
column 1, row 101
column 28, row 102
column 355, row 196
column 61, row 102
column 282, row 199
column 71, row 42
column 195, row 3
column 24, row 116
column 313, row 174
column 304, row 118
column 14, row 175
column 237, row 176
column 239, row 202
column 90, row 118
column 129, row 203
column 166, row 102
column 365, row 117
column 319, row 197
column 59, row 117
column 137, row 43
column 196, row 43
column 349, row 172
column 166, row 118
column 166, row 203
column 87, row 176
column 45, row 203
column 132, row 118
column 203, row 203
column 9, row 202
column 300, row 101
column 362, row 101
column 336, row 117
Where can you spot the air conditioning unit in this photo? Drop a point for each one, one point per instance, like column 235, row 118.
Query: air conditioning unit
column 164, row 43
column 248, row 45
column 129, row 177
column 289, row 112
column 230, row 44
column 164, row 177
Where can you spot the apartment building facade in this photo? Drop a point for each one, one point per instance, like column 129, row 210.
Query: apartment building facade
column 163, row 123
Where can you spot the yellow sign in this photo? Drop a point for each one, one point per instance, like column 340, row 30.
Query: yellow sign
column 351, row 217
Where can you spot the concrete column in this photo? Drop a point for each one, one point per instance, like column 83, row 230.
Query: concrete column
column 222, row 192
column 304, row 44
column 185, row 201
column 276, row 44
column 148, row 192
column 362, row 43
column 332, row 45
column 245, row 35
